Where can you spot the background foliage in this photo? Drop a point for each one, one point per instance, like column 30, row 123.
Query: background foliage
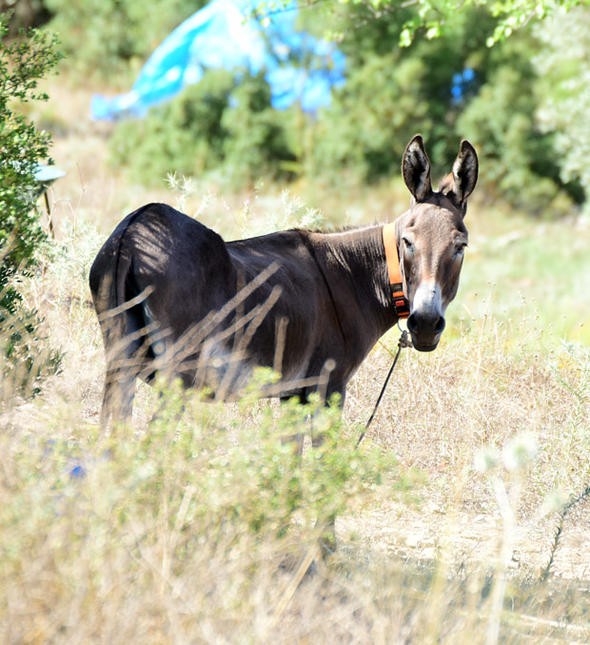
column 564, row 105
column 104, row 37
column 427, row 66
column 211, row 126
column 22, row 148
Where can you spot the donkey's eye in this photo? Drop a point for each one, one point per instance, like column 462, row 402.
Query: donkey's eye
column 459, row 249
column 408, row 244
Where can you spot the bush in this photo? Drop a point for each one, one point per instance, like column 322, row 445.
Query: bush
column 371, row 119
column 184, row 135
column 214, row 502
column 520, row 163
column 391, row 93
column 565, row 94
column 211, row 125
column 260, row 141
column 22, row 147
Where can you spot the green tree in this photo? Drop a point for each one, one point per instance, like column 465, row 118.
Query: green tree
column 501, row 121
column 259, row 140
column 22, row 63
column 392, row 92
column 184, row 135
column 564, row 107
column 103, row 36
column 432, row 16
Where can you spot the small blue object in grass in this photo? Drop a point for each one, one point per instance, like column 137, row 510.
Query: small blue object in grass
column 78, row 472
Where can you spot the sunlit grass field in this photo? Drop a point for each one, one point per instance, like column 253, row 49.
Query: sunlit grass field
column 200, row 526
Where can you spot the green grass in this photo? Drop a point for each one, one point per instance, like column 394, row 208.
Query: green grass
column 530, row 273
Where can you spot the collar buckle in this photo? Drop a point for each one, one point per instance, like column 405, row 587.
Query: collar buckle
column 400, row 302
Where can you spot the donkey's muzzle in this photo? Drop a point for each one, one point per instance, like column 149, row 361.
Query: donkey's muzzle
column 426, row 329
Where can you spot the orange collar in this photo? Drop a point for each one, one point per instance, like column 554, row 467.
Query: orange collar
column 400, row 302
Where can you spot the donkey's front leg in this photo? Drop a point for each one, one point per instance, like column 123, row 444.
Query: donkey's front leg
column 297, row 438
column 327, row 525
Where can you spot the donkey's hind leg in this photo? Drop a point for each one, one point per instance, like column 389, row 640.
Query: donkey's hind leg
column 163, row 411
column 128, row 355
column 118, row 395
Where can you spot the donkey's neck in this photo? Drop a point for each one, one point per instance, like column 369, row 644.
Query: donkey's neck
column 354, row 265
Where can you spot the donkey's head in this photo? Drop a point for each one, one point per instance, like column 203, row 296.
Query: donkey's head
column 431, row 238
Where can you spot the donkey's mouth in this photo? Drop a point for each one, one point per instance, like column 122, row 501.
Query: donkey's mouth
column 426, row 348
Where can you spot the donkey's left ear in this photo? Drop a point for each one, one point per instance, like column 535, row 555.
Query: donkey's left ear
column 459, row 183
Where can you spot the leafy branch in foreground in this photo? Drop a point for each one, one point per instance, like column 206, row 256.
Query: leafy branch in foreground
column 23, row 62
column 512, row 15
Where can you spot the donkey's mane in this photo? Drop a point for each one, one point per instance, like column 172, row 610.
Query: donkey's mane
column 337, row 229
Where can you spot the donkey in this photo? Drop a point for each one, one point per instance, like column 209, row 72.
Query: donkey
column 173, row 297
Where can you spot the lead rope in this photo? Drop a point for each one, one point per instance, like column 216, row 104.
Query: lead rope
column 403, row 342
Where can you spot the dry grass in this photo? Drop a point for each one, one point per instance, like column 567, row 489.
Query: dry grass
column 134, row 551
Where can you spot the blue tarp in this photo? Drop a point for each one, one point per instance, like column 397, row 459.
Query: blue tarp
column 235, row 35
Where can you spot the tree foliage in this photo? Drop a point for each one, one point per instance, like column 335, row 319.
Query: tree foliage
column 563, row 109
column 219, row 125
column 456, row 74
column 102, row 37
column 22, row 63
column 392, row 92
column 501, row 120
column 433, row 16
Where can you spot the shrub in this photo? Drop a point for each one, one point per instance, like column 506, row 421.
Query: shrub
column 391, row 93
column 565, row 94
column 259, row 140
column 184, row 135
column 501, row 121
column 372, row 118
column 214, row 502
column 211, row 125
column 22, row 147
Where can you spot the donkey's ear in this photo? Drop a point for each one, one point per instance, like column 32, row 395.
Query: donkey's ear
column 416, row 169
column 459, row 183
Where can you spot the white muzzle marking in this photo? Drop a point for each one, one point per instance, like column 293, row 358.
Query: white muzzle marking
column 428, row 297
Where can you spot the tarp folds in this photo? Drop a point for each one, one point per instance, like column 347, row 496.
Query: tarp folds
column 235, row 35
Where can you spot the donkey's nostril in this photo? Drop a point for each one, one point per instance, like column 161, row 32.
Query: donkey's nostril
column 418, row 322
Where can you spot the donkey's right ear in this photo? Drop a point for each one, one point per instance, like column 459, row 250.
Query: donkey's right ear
column 416, row 169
